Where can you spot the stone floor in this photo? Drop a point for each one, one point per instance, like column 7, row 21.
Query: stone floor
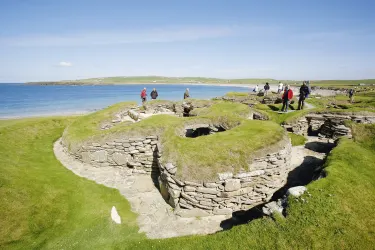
column 156, row 218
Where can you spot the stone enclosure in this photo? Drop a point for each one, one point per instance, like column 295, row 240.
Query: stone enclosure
column 230, row 192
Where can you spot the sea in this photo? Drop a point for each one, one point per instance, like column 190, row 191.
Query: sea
column 22, row 100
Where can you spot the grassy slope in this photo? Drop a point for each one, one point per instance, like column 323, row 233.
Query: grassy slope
column 42, row 204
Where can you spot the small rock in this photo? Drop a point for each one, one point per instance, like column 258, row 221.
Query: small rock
column 296, row 191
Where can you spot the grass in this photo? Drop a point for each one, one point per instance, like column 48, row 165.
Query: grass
column 297, row 139
column 44, row 205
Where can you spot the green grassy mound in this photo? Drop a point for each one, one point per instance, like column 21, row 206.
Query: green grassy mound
column 197, row 158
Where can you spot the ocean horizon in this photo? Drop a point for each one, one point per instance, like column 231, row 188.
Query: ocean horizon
column 19, row 100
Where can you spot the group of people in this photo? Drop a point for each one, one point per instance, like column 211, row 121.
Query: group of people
column 304, row 92
column 287, row 96
column 154, row 94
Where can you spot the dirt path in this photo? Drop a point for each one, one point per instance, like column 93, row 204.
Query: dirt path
column 155, row 216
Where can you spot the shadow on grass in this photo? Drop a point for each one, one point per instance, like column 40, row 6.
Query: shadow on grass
column 273, row 107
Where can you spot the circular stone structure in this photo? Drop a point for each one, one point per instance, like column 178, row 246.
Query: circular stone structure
column 232, row 164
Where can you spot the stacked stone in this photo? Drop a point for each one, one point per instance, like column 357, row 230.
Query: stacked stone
column 138, row 154
column 315, row 122
column 231, row 192
column 332, row 124
column 300, row 127
column 334, row 128
column 259, row 116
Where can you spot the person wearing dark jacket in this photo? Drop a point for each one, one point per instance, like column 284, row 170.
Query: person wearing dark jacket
column 186, row 94
column 287, row 96
column 154, row 94
column 303, row 93
column 266, row 88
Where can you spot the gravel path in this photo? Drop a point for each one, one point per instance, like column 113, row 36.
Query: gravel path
column 155, row 217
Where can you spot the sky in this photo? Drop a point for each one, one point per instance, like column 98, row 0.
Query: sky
column 42, row 40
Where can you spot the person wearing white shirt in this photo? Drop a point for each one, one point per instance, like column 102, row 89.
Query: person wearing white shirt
column 280, row 88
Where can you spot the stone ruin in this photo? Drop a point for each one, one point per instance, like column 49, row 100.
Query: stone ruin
column 328, row 125
column 230, row 192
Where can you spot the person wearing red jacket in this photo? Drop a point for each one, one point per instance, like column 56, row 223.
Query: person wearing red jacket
column 287, row 96
column 143, row 95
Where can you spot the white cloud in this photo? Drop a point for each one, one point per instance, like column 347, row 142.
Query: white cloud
column 160, row 35
column 65, row 64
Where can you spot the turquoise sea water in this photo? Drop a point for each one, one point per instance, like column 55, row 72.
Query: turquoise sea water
column 20, row 100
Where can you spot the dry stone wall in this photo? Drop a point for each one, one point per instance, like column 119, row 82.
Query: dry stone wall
column 327, row 125
column 231, row 192
column 138, row 154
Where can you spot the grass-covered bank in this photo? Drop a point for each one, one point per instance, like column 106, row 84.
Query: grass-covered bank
column 44, row 205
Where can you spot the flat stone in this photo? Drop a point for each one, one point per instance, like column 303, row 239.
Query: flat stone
column 209, row 196
column 134, row 152
column 232, row 185
column 296, row 191
column 120, row 159
column 141, row 150
column 146, row 141
column 183, row 205
column 126, row 145
column 272, row 207
column 189, row 189
column 225, row 175
column 95, row 144
column 256, row 173
column 171, row 168
column 194, row 212
column 222, row 211
column 99, row 156
column 241, row 191
column 174, row 193
column 207, row 190
column 187, row 197
column 210, row 185
column 193, row 184
column 178, row 182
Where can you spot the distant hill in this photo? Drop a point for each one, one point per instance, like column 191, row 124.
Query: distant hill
column 195, row 80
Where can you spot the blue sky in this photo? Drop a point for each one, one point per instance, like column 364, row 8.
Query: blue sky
column 56, row 40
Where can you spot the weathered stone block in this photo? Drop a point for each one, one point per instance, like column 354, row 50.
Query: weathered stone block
column 232, row 185
column 207, row 190
column 99, row 156
column 190, row 183
column 189, row 189
column 120, row 159
column 223, row 211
